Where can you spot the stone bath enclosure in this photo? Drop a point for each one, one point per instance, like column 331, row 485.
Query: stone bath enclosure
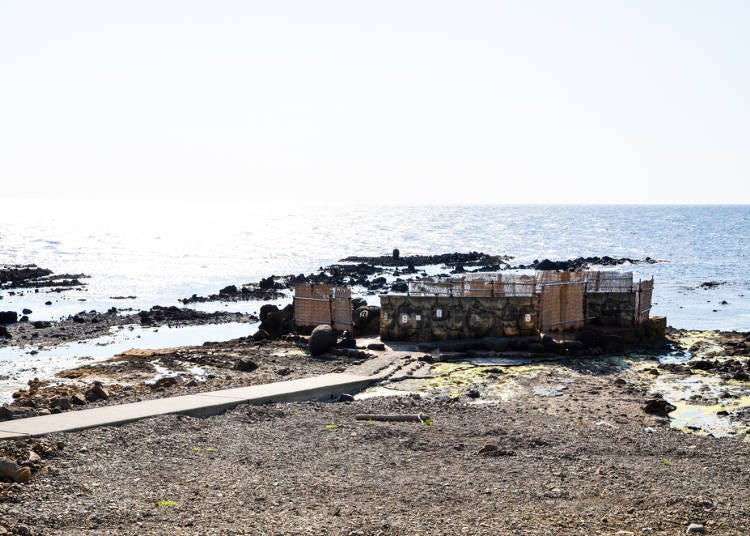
column 509, row 306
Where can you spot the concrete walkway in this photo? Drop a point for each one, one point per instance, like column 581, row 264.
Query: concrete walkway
column 199, row 405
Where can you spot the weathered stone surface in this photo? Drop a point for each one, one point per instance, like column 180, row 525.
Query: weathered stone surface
column 425, row 318
column 322, row 339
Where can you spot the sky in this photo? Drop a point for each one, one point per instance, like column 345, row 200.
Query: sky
column 638, row 101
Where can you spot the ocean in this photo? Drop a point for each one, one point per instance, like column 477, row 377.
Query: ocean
column 161, row 252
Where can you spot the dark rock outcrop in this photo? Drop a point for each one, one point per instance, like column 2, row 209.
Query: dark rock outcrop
column 8, row 317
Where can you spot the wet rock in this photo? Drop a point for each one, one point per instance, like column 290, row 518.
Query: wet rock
column 285, row 371
column 4, row 334
column 246, row 365
column 536, row 347
column 48, row 303
column 41, row 324
column 377, row 346
column 27, row 311
column 8, row 317
column 322, row 339
column 345, row 397
column 695, row 528
column 658, row 406
column 473, row 393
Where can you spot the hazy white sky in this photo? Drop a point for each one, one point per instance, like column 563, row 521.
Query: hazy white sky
column 408, row 101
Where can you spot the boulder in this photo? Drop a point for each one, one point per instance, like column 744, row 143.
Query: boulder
column 261, row 334
column 78, row 399
column 267, row 309
column 97, row 392
column 246, row 365
column 276, row 322
column 322, row 339
column 658, row 406
column 347, row 341
column 400, row 286
column 62, row 402
column 8, row 317
column 358, row 302
column 4, row 333
column 11, row 470
column 267, row 283
column 230, row 290
column 27, row 311
column 167, row 381
column 6, row 413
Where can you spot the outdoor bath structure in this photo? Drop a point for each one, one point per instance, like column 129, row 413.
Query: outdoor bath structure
column 509, row 305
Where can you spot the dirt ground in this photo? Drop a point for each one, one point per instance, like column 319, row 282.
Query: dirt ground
column 549, row 448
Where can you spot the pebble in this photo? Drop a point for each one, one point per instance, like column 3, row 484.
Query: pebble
column 695, row 528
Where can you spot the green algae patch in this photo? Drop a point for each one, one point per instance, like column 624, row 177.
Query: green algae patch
column 165, row 504
column 499, row 382
column 705, row 404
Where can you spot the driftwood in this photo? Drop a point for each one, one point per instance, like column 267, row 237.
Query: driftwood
column 413, row 417
column 10, row 469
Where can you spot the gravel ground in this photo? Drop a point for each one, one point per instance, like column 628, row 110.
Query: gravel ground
column 588, row 461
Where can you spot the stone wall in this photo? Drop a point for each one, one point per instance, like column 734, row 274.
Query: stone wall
column 611, row 309
column 431, row 318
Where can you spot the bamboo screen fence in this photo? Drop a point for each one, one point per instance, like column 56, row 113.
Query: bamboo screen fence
column 562, row 294
column 316, row 304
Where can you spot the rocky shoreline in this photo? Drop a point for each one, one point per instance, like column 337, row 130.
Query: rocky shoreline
column 546, row 447
column 510, row 440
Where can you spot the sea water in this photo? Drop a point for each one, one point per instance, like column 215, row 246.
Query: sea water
column 161, row 252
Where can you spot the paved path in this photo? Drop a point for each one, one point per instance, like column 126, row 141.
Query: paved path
column 200, row 405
